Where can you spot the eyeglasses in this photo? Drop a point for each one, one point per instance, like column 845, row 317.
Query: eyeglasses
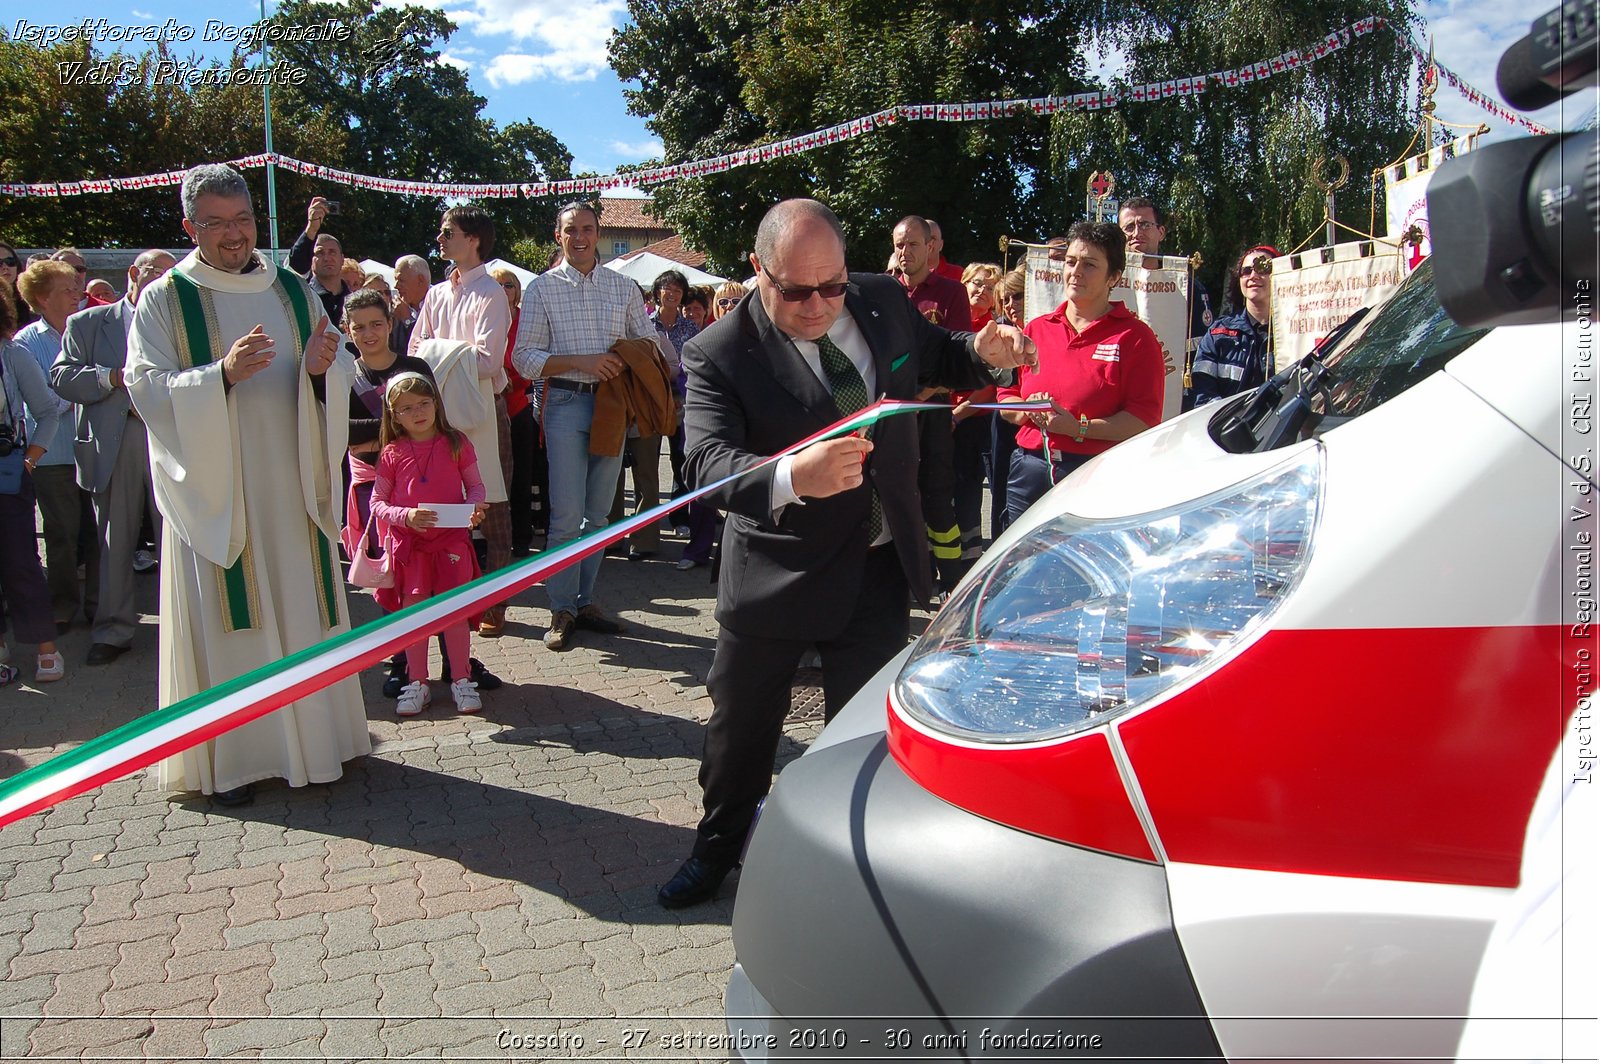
column 13, row 262
column 510, row 286
column 728, row 301
column 1143, row 225
column 222, row 225
column 447, row 232
column 805, row 292
column 1262, row 267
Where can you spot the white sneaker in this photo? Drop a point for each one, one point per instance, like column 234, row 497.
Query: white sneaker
column 143, row 561
column 465, row 692
column 414, row 698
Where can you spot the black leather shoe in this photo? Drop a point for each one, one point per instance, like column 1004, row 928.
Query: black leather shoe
column 238, row 796
column 486, row 680
column 696, row 881
column 396, row 681
column 105, row 653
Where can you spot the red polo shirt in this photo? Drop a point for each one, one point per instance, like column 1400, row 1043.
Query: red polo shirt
column 942, row 301
column 1115, row 364
column 946, row 268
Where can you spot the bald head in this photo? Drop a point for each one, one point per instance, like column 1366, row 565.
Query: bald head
column 146, row 268
column 790, row 221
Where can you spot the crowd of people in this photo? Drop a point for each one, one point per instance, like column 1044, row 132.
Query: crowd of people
column 437, row 429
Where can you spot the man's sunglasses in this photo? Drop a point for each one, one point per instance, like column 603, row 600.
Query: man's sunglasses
column 805, row 292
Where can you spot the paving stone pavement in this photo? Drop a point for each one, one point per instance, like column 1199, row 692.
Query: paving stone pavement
column 477, row 887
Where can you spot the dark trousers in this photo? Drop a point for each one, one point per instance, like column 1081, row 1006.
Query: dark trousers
column 67, row 512
column 22, row 583
column 675, row 460
column 1031, row 478
column 645, row 456
column 971, row 445
column 524, row 438
column 937, row 484
column 749, row 683
column 997, row 463
column 118, row 512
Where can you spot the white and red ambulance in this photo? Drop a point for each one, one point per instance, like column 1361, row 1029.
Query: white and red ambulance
column 1225, row 751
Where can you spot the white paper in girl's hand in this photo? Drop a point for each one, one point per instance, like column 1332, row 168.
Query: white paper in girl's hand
column 452, row 514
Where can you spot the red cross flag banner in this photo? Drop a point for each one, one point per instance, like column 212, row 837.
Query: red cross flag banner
column 947, row 111
column 1314, row 291
column 1159, row 296
column 1405, row 200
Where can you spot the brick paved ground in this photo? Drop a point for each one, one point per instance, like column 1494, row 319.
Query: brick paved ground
column 453, row 894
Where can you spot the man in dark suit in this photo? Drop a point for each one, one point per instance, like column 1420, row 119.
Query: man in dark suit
column 827, row 546
column 111, row 449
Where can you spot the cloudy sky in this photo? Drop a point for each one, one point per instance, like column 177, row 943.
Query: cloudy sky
column 545, row 60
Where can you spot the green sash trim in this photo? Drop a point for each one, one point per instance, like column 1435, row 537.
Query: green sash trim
column 291, row 290
column 322, row 562
column 199, row 340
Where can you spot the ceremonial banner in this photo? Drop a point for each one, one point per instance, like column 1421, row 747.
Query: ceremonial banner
column 1406, row 204
column 1314, row 291
column 1160, row 297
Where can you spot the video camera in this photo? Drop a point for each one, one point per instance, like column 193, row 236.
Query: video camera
column 1516, row 225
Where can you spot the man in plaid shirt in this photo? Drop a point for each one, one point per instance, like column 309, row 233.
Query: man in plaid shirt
column 570, row 318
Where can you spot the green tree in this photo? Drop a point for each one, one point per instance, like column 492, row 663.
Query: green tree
column 376, row 100
column 717, row 75
column 59, row 125
column 410, row 116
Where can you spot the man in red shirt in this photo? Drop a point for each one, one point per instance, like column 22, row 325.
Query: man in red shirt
column 943, row 302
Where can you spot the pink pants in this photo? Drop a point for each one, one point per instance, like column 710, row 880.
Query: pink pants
column 427, row 568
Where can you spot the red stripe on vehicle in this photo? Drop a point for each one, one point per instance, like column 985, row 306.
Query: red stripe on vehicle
column 1072, row 791
column 1407, row 754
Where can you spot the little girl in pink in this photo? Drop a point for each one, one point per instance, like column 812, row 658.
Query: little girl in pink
column 424, row 461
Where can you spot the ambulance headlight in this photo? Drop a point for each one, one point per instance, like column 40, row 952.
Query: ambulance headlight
column 1082, row 620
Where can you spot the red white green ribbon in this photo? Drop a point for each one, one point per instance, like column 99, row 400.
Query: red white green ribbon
column 175, row 728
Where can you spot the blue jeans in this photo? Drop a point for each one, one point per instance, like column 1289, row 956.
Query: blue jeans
column 1031, row 477
column 582, row 486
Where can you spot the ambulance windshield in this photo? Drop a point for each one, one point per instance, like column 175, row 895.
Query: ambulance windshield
column 1406, row 339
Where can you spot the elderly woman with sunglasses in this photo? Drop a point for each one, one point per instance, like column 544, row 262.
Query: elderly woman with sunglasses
column 1235, row 354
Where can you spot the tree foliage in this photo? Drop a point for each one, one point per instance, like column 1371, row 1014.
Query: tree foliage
column 379, row 102
column 716, row 75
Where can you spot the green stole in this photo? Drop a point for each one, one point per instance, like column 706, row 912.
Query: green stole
column 199, row 340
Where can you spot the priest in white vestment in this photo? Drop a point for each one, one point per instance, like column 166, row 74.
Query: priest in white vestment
column 244, row 390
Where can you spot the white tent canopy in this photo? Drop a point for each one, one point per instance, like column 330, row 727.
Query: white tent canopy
column 646, row 266
column 374, row 266
column 525, row 276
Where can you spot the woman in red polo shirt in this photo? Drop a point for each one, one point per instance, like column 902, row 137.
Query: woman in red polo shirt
column 1099, row 365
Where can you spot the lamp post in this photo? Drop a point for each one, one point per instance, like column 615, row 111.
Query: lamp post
column 266, row 113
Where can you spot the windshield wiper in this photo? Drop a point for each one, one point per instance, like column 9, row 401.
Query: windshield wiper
column 1285, row 409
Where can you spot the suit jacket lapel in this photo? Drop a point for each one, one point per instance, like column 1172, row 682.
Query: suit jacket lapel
column 870, row 322
column 791, row 371
column 116, row 334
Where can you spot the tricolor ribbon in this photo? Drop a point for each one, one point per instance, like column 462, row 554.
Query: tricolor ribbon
column 194, row 720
